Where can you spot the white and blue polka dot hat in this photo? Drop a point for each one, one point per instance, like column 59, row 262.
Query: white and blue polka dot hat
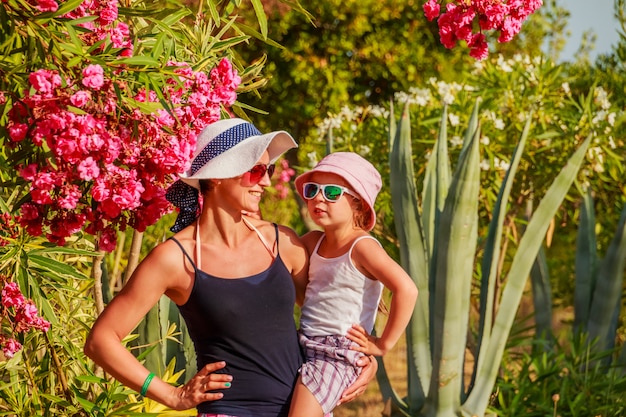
column 224, row 149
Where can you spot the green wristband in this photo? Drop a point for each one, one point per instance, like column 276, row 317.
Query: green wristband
column 146, row 384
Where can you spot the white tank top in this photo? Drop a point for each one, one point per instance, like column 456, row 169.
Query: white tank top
column 338, row 295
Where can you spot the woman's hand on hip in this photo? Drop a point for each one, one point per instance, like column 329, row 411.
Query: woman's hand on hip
column 204, row 386
column 368, row 373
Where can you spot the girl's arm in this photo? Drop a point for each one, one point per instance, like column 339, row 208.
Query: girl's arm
column 371, row 259
column 153, row 277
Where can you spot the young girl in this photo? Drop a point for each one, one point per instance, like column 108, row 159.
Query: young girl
column 348, row 269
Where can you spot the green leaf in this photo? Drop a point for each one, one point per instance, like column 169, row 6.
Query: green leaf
column 91, row 379
column 213, row 11
column 491, row 255
column 453, row 260
column 66, row 7
column 607, row 294
column 542, row 296
column 255, row 34
column 436, row 183
column 387, row 391
column 174, row 18
column 586, row 263
column 139, row 61
column 64, row 251
column 413, row 256
column 261, row 17
column 49, row 265
column 515, row 282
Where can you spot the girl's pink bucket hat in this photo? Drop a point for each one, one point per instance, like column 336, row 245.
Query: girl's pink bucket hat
column 362, row 176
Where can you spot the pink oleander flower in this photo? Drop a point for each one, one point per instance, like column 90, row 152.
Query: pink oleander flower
column 80, row 98
column 478, row 46
column 10, row 346
column 8, row 228
column 462, row 18
column 18, row 131
column 18, row 315
column 12, row 296
column 284, row 177
column 88, row 169
column 29, row 172
column 120, row 36
column 45, row 81
column 47, row 5
column 432, row 9
column 93, row 77
column 108, row 14
column 111, row 164
column 107, row 240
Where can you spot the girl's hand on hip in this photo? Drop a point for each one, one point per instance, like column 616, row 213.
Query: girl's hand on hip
column 364, row 342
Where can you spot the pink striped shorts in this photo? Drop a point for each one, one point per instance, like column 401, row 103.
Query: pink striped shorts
column 213, row 415
column 330, row 367
column 224, row 415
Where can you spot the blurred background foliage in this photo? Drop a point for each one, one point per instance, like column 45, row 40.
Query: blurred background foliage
column 359, row 54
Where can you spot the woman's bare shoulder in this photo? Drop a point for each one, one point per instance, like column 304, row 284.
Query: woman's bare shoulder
column 168, row 257
column 311, row 238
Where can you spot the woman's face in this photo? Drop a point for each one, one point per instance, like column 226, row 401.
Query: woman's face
column 245, row 191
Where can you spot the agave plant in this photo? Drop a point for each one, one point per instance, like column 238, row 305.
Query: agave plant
column 599, row 282
column 438, row 248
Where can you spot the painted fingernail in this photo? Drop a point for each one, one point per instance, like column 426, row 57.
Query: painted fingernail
column 227, row 384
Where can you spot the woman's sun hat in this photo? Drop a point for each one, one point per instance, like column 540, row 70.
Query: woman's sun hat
column 224, row 149
column 358, row 172
column 230, row 147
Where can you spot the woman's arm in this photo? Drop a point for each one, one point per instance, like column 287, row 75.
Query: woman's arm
column 156, row 275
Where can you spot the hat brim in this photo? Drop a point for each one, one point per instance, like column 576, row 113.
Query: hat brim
column 242, row 157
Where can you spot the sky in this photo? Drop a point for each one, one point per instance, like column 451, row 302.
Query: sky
column 595, row 15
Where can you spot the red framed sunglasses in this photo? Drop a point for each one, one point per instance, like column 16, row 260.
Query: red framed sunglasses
column 257, row 172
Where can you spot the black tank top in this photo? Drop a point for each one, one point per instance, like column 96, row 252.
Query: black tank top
column 247, row 322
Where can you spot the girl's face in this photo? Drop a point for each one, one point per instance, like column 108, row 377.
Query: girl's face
column 331, row 214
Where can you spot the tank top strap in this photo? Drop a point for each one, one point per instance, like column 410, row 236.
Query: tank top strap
column 261, row 237
column 277, row 246
column 184, row 252
column 361, row 238
column 319, row 242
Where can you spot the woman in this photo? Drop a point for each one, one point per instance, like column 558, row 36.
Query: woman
column 235, row 279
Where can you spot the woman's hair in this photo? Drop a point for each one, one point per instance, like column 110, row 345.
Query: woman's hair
column 205, row 186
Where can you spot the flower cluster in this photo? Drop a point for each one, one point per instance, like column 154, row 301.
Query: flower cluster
column 8, row 229
column 95, row 145
column 101, row 162
column 106, row 28
column 21, row 314
column 282, row 184
column 467, row 19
